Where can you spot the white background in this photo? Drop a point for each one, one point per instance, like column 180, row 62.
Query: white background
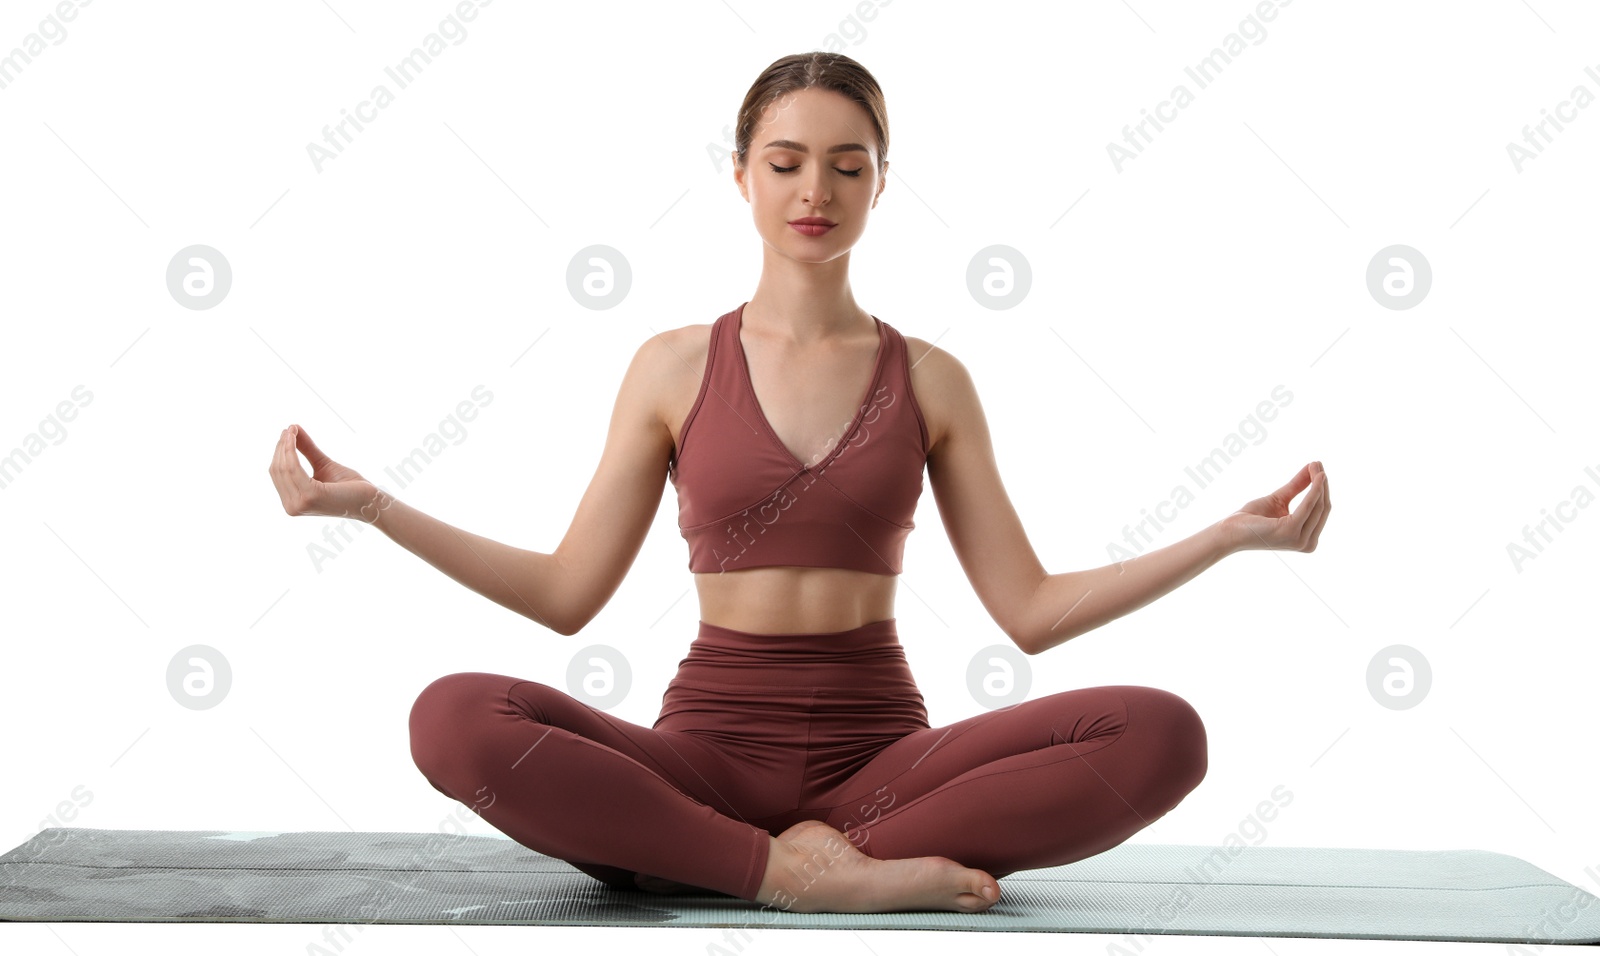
column 371, row 297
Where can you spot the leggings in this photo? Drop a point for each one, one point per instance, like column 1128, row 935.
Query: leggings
column 758, row 732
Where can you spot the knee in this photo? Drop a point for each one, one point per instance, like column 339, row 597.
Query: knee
column 1174, row 730
column 447, row 720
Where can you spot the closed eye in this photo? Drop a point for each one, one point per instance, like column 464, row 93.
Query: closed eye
column 789, row 169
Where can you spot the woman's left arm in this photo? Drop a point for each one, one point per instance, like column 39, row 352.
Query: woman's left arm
column 1072, row 603
column 1039, row 610
column 1077, row 601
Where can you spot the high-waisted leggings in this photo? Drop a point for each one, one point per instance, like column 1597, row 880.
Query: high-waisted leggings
column 758, row 732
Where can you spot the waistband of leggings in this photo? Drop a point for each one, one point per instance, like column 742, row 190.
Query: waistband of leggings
column 871, row 640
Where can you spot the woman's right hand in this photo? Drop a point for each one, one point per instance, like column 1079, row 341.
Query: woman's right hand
column 331, row 489
column 1266, row 524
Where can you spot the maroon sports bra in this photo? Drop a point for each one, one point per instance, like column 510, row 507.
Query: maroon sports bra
column 745, row 502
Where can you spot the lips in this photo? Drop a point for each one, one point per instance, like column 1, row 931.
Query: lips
column 812, row 221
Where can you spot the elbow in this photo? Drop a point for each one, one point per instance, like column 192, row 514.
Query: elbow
column 1023, row 629
column 1023, row 639
column 562, row 609
column 565, row 625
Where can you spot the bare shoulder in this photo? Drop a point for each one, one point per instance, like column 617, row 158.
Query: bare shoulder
column 674, row 353
column 672, row 362
column 943, row 386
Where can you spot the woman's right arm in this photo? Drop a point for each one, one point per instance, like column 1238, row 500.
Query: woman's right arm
column 562, row 590
column 528, row 582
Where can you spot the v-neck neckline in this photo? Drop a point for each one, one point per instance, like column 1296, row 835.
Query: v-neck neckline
column 861, row 406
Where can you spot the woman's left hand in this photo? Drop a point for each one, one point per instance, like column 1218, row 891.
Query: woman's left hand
column 1266, row 524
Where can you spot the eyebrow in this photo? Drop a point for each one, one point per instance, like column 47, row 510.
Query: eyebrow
column 800, row 147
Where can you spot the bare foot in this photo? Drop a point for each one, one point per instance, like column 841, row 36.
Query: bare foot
column 813, row 868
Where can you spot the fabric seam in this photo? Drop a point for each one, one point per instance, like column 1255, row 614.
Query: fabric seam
column 700, row 397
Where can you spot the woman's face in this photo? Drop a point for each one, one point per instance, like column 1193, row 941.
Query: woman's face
column 791, row 173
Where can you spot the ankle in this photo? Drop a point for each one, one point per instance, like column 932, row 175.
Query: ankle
column 796, row 865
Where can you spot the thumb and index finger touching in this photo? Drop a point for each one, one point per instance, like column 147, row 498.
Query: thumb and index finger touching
column 309, row 448
column 292, row 442
column 294, row 438
column 1298, row 483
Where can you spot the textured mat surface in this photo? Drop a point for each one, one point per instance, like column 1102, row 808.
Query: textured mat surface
column 78, row 874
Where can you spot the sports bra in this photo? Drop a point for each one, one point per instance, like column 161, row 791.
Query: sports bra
column 745, row 502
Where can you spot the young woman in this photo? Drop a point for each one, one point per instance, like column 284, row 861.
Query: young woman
column 793, row 764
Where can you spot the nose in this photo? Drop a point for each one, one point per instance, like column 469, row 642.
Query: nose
column 816, row 188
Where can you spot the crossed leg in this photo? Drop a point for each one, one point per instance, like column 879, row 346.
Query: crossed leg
column 1041, row 783
column 573, row 782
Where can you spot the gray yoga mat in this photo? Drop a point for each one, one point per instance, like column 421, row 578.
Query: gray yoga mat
column 68, row 874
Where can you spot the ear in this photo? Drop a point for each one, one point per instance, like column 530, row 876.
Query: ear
column 738, row 178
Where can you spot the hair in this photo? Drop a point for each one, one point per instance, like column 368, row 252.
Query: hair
column 815, row 70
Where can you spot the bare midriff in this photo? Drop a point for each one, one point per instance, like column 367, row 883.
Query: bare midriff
column 788, row 600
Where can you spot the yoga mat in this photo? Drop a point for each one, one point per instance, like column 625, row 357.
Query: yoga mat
column 68, row 874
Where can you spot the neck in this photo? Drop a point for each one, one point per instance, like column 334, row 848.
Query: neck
column 801, row 303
